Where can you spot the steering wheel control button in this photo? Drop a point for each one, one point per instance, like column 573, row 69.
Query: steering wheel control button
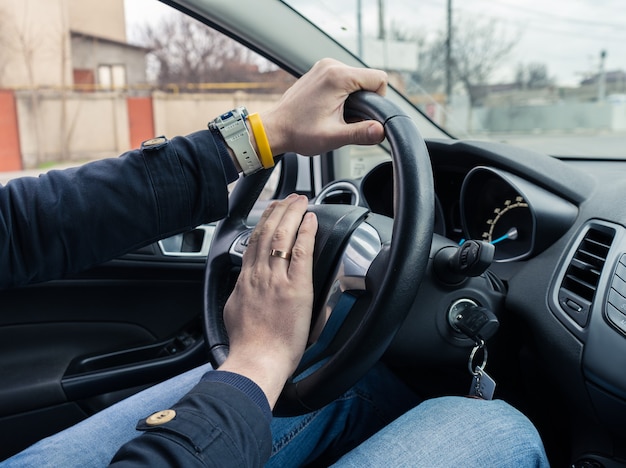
column 161, row 417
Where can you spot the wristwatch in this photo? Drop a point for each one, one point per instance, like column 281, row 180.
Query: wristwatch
column 232, row 126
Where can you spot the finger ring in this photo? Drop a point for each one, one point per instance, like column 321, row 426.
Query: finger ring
column 280, row 253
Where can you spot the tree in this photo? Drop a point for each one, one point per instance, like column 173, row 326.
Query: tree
column 4, row 42
column 185, row 51
column 478, row 47
column 21, row 42
column 427, row 78
column 533, row 76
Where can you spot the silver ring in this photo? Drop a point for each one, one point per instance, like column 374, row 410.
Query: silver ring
column 280, row 253
column 470, row 363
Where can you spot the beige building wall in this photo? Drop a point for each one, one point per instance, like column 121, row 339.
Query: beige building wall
column 96, row 125
column 181, row 114
column 98, row 18
column 35, row 42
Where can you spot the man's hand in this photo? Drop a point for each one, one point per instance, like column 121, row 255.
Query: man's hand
column 269, row 312
column 308, row 119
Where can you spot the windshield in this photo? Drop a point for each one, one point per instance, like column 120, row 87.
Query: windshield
column 544, row 75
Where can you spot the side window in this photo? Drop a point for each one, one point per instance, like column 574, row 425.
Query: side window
column 73, row 89
column 111, row 77
column 354, row 161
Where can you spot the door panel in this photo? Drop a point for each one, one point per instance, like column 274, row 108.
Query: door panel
column 72, row 347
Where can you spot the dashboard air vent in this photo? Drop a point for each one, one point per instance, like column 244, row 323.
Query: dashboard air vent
column 583, row 273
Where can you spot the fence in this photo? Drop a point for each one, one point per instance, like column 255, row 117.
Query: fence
column 44, row 127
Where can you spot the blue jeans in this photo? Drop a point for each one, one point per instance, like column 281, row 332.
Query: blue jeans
column 453, row 431
column 439, row 432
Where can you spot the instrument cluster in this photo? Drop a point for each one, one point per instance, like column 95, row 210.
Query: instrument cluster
column 518, row 217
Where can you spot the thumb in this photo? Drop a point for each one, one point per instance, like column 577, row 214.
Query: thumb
column 367, row 132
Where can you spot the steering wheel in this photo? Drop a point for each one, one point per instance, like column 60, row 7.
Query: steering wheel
column 367, row 267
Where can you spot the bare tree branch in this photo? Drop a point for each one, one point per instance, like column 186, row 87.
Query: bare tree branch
column 185, row 51
column 478, row 47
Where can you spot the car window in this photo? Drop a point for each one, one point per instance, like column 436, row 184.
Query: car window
column 547, row 76
column 74, row 89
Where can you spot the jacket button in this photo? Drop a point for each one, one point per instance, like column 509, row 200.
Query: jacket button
column 161, row 417
column 154, row 143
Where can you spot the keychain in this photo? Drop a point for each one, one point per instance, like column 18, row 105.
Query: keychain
column 483, row 386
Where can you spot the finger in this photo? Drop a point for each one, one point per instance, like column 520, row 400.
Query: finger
column 368, row 79
column 372, row 80
column 368, row 132
column 301, row 265
column 285, row 233
column 252, row 249
column 274, row 223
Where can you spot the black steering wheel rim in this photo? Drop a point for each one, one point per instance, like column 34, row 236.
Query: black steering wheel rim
column 397, row 270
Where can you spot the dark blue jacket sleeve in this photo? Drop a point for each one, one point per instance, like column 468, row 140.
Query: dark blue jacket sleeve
column 65, row 221
column 222, row 422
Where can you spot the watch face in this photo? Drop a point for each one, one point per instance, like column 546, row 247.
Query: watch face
column 226, row 115
column 239, row 113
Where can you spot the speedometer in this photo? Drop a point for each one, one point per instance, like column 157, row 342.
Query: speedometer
column 519, row 218
column 494, row 211
column 492, row 235
column 509, row 227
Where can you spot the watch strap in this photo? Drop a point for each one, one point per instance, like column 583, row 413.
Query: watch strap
column 230, row 171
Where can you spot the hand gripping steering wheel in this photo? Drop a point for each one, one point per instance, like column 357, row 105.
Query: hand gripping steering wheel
column 367, row 267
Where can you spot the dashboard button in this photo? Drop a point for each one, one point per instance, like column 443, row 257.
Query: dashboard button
column 620, row 271
column 617, row 300
column 616, row 317
column 619, row 285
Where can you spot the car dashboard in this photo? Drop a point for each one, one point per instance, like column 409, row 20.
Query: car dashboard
column 557, row 283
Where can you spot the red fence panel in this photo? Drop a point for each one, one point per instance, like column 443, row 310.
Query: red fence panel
column 10, row 154
column 140, row 120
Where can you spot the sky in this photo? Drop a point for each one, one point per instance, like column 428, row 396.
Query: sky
column 567, row 35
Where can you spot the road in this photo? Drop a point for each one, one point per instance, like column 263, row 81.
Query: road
column 606, row 145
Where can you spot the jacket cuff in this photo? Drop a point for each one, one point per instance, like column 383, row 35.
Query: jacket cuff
column 243, row 384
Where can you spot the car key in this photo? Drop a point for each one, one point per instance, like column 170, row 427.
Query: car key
column 478, row 323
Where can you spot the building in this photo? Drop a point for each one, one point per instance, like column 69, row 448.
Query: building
column 64, row 64
column 72, row 89
column 67, row 43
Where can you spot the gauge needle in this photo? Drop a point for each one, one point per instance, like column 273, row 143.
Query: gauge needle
column 510, row 234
